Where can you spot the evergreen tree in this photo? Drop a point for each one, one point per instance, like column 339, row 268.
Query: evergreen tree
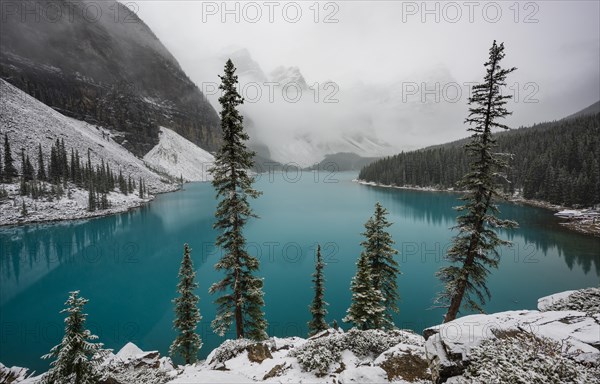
column 28, row 171
column 474, row 249
column 366, row 310
column 1, row 169
column 23, row 208
column 129, row 185
column 241, row 292
column 10, row 171
column 53, row 167
column 64, row 165
column 91, row 198
column 77, row 356
column 318, row 308
column 141, row 191
column 104, row 203
column 122, row 183
column 384, row 269
column 187, row 343
column 23, row 189
column 41, row 173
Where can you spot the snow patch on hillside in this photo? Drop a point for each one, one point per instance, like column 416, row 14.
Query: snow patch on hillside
column 179, row 157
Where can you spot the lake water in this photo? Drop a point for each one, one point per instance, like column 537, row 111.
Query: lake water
column 127, row 264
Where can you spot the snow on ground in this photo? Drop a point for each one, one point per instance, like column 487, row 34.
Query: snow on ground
column 544, row 303
column 12, row 374
column 241, row 362
column 71, row 208
column 584, row 300
column 564, row 334
column 179, row 157
column 28, row 122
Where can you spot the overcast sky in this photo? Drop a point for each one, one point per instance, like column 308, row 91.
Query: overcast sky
column 383, row 48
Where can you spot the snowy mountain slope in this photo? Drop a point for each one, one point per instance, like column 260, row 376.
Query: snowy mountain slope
column 108, row 68
column 28, row 123
column 179, row 157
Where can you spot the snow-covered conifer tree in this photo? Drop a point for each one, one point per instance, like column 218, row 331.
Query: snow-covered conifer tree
column 241, row 293
column 187, row 343
column 366, row 310
column 77, row 356
column 384, row 269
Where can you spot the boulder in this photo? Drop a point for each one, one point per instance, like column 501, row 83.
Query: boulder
column 277, row 370
column 448, row 346
column 12, row 374
column 258, row 352
column 406, row 362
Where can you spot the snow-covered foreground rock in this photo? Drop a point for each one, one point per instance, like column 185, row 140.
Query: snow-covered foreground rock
column 534, row 346
column 329, row 357
column 178, row 157
column 509, row 347
column 12, row 374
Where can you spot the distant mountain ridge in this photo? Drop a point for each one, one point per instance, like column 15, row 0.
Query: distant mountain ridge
column 110, row 70
column 591, row 110
column 343, row 161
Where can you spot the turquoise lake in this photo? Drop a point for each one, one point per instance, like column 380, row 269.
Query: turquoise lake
column 127, row 264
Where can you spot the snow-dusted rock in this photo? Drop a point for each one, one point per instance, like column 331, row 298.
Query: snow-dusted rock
column 12, row 374
column 584, row 300
column 405, row 361
column 131, row 365
column 449, row 346
column 544, row 303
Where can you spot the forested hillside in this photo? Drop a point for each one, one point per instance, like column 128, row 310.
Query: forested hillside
column 556, row 162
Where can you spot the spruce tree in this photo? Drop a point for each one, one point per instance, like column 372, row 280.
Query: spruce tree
column 91, row 198
column 77, row 356
column 318, row 308
column 187, row 343
column 241, row 293
column 122, row 183
column 23, row 208
column 384, row 269
column 23, row 163
column 10, row 171
column 41, row 173
column 28, row 171
column 104, row 203
column 1, row 169
column 366, row 310
column 474, row 248
column 141, row 190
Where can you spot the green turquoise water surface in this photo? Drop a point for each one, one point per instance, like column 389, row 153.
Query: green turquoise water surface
column 127, row 264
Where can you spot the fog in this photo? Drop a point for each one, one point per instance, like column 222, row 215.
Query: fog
column 390, row 76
